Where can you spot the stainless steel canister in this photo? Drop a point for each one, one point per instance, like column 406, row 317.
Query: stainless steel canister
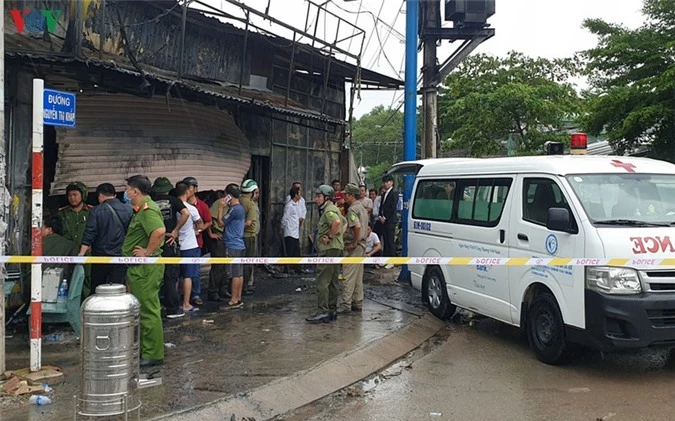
column 109, row 352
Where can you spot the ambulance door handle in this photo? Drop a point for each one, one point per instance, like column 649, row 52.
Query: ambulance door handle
column 523, row 237
column 502, row 236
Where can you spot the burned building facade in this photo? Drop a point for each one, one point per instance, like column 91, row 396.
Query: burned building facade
column 167, row 90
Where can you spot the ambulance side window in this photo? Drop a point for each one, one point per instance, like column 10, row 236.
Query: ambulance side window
column 539, row 195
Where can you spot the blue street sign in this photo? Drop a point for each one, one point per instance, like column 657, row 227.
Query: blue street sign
column 59, row 108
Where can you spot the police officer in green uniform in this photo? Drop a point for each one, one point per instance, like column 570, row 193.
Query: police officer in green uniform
column 145, row 238
column 54, row 244
column 74, row 221
column 74, row 216
column 329, row 244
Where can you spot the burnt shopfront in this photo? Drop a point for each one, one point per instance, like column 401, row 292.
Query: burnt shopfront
column 166, row 93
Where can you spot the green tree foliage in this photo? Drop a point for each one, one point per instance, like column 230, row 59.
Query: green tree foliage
column 632, row 77
column 488, row 99
column 377, row 141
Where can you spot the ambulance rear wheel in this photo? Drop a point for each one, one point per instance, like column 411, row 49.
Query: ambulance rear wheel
column 435, row 294
column 546, row 330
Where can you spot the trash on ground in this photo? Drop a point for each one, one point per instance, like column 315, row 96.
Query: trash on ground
column 435, row 414
column 14, row 386
column 169, row 345
column 207, row 322
column 56, row 337
column 40, row 400
column 298, row 290
column 266, row 330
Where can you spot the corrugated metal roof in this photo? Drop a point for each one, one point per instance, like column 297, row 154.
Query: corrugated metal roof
column 121, row 135
column 257, row 99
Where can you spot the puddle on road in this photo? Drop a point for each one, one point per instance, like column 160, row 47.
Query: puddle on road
column 364, row 388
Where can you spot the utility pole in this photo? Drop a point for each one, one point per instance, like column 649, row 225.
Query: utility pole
column 3, row 179
column 469, row 19
column 432, row 19
column 409, row 116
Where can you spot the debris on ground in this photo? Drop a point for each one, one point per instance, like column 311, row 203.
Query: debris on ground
column 15, row 386
column 207, row 322
column 169, row 345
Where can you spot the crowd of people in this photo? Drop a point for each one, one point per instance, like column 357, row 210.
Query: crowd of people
column 163, row 219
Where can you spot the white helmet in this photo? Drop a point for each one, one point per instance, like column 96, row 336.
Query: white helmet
column 249, row 186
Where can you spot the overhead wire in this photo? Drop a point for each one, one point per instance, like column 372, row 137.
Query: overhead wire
column 356, row 24
column 377, row 56
column 370, row 38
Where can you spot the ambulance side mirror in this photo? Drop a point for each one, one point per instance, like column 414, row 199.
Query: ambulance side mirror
column 558, row 219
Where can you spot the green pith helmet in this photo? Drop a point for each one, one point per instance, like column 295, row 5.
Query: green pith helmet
column 325, row 190
column 162, row 185
column 352, row 189
column 249, row 186
column 79, row 186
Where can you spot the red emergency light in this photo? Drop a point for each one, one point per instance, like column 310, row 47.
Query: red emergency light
column 578, row 143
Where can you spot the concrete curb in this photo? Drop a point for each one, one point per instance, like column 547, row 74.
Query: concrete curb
column 292, row 392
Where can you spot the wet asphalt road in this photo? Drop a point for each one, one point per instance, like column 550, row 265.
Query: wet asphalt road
column 217, row 353
column 487, row 372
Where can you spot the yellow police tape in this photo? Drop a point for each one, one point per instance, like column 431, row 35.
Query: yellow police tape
column 454, row 261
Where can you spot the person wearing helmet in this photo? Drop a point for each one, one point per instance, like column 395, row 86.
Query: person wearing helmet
column 251, row 230
column 74, row 222
column 329, row 244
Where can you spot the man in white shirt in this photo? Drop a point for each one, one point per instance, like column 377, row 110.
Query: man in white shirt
column 187, row 240
column 301, row 203
column 290, row 224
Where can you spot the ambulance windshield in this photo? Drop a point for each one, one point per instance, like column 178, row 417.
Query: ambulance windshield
column 626, row 199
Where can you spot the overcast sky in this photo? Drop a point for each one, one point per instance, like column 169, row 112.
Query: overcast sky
column 548, row 28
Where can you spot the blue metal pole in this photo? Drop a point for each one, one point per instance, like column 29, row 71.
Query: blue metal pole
column 409, row 116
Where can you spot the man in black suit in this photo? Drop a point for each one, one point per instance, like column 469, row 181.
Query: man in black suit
column 388, row 217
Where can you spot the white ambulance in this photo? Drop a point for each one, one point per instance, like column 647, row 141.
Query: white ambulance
column 592, row 207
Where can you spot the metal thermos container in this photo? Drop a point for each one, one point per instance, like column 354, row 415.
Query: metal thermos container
column 109, row 352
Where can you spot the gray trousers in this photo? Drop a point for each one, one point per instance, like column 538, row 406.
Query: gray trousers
column 251, row 251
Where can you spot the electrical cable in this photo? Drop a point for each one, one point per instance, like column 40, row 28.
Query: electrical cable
column 379, row 41
column 399, row 35
column 377, row 57
column 356, row 23
column 370, row 38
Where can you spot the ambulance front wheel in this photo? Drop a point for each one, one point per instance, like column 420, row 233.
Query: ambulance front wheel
column 435, row 294
column 546, row 330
